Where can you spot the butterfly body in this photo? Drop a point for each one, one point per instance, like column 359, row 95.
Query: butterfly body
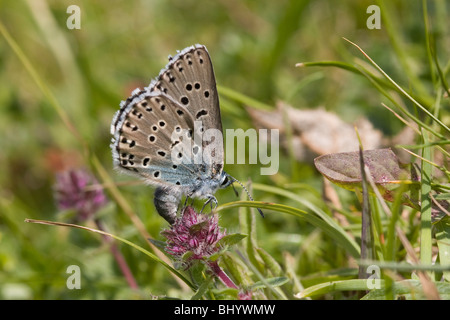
column 170, row 133
column 166, row 199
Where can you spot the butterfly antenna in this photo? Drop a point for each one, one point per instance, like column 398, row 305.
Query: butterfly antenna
column 248, row 194
column 234, row 189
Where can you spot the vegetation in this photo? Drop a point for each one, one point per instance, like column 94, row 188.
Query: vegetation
column 363, row 237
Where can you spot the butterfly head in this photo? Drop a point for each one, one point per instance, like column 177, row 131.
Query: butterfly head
column 226, row 180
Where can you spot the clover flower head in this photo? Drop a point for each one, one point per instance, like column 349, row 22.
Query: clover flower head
column 71, row 193
column 193, row 233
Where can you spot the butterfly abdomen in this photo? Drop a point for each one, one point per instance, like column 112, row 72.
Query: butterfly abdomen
column 166, row 203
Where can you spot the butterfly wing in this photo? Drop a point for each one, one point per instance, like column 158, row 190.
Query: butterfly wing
column 148, row 131
column 189, row 79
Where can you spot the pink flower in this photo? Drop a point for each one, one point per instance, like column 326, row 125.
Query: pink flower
column 194, row 233
column 71, row 193
column 195, row 237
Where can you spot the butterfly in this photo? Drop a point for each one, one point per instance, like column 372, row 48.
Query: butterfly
column 170, row 133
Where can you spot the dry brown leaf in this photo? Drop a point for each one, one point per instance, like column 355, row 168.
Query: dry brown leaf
column 316, row 131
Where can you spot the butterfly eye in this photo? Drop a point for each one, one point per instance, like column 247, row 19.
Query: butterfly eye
column 225, row 182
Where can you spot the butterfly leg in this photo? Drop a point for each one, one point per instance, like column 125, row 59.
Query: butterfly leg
column 211, row 200
column 186, row 202
column 185, row 205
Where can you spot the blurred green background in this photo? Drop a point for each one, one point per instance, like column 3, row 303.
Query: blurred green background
column 121, row 45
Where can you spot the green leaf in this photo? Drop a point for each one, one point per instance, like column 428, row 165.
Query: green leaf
column 442, row 196
column 273, row 282
column 226, row 292
column 187, row 255
column 203, row 288
column 230, row 239
column 270, row 262
column 217, row 254
column 197, row 272
column 235, row 269
column 161, row 245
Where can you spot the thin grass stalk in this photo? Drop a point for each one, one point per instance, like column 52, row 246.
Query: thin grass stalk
column 366, row 221
column 408, row 96
column 427, row 28
column 425, row 212
column 146, row 252
column 398, row 46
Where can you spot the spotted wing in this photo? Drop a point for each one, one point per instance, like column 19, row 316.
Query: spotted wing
column 148, row 131
column 189, row 80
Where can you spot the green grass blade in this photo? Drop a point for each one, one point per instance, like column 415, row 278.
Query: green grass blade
column 410, row 290
column 443, row 243
column 41, row 85
column 400, row 107
column 408, row 96
column 405, row 266
column 367, row 247
column 319, row 212
column 242, row 98
column 398, row 45
column 286, row 26
column 297, row 198
column 337, row 64
column 340, row 237
column 426, row 205
column 147, row 253
column 377, row 81
column 427, row 40
column 327, row 287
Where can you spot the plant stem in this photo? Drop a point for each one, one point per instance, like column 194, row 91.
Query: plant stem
column 425, row 217
column 214, row 266
column 119, row 258
column 366, row 223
